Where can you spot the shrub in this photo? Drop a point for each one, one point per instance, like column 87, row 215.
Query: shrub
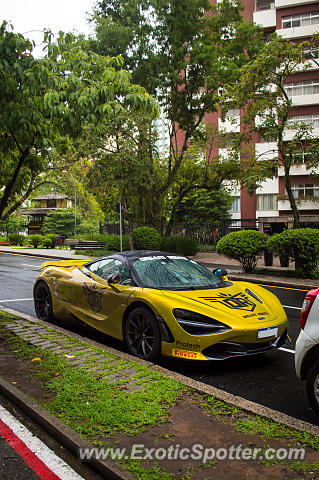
column 15, row 239
column 35, row 240
column 277, row 245
column 46, row 242
column 180, row 245
column 112, row 242
column 51, row 237
column 146, row 238
column 244, row 246
column 301, row 245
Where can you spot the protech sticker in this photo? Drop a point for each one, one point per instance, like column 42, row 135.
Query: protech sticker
column 176, row 257
column 190, row 346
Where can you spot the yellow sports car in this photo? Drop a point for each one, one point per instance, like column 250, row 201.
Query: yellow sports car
column 162, row 303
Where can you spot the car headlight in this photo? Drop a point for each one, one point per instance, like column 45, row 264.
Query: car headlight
column 197, row 324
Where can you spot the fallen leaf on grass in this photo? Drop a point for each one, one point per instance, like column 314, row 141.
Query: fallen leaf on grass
column 36, row 359
column 69, row 356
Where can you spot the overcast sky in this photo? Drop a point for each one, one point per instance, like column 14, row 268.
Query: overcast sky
column 30, row 17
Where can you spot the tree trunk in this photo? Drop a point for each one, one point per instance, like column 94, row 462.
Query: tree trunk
column 130, row 222
column 292, row 199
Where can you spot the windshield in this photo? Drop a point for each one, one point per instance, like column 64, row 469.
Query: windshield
column 170, row 272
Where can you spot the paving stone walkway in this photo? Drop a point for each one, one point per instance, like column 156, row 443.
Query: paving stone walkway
column 80, row 355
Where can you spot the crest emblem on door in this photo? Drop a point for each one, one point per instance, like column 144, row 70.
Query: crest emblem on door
column 94, row 296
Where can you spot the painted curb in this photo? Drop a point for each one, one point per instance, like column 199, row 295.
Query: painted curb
column 61, row 432
column 235, row 400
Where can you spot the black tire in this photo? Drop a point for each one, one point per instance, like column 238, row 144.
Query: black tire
column 43, row 302
column 142, row 334
column 312, row 386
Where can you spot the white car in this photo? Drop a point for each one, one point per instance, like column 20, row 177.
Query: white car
column 307, row 348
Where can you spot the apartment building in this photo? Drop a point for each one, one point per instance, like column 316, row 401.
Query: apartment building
column 296, row 20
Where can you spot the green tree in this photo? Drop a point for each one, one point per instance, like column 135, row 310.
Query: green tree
column 124, row 167
column 262, row 93
column 45, row 103
column 183, row 53
column 60, row 221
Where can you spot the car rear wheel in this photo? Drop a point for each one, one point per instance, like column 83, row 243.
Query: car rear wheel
column 312, row 385
column 142, row 334
column 43, row 302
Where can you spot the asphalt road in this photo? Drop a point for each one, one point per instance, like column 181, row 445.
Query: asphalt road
column 268, row 379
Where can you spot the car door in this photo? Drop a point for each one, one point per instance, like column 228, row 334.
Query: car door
column 103, row 304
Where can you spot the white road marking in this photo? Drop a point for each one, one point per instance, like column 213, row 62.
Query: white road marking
column 286, row 350
column 288, row 306
column 17, row 300
column 44, row 453
column 29, row 265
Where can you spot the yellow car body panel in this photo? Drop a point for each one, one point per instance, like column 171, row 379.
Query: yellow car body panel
column 103, row 306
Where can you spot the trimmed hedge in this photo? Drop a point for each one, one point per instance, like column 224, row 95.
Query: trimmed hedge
column 180, row 245
column 15, row 239
column 51, row 237
column 245, row 246
column 35, row 240
column 146, row 238
column 46, row 242
column 299, row 244
column 112, row 242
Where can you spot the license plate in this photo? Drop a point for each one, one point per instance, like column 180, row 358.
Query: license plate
column 267, row 332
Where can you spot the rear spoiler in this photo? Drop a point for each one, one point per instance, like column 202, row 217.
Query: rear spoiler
column 63, row 263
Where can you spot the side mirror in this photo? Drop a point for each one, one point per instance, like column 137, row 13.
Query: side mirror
column 220, row 272
column 113, row 278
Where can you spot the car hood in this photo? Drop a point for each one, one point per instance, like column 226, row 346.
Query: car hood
column 242, row 300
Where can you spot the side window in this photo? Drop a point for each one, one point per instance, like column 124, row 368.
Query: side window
column 94, row 266
column 110, row 267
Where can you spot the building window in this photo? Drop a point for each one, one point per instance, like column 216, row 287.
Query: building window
column 267, row 201
column 307, row 87
column 312, row 120
column 236, row 205
column 312, row 52
column 305, row 190
column 303, row 157
column 51, row 203
column 264, row 5
column 300, row 20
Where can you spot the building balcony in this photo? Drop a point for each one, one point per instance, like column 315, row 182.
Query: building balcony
column 265, row 18
column 300, row 169
column 299, row 32
column 306, row 204
column 299, row 100
column 292, row 3
column 290, row 134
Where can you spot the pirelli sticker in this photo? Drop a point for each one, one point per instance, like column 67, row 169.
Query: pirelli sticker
column 187, row 354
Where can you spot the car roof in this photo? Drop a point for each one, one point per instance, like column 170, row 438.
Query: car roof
column 134, row 254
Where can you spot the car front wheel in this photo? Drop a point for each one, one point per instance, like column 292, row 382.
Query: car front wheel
column 142, row 334
column 312, row 385
column 43, row 302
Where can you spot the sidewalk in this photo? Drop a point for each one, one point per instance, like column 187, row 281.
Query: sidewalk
column 210, row 260
column 117, row 402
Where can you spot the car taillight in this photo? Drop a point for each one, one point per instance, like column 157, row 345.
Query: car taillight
column 306, row 306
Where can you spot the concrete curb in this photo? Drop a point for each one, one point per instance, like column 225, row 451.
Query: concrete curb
column 241, row 402
column 41, row 255
column 62, row 433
